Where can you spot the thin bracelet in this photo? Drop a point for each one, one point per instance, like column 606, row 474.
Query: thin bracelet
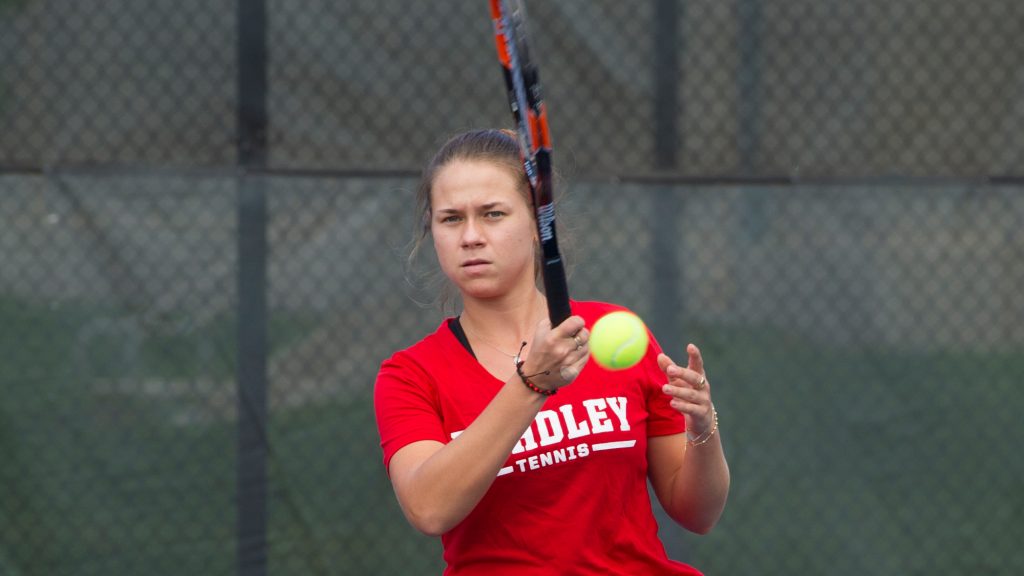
column 526, row 379
column 707, row 434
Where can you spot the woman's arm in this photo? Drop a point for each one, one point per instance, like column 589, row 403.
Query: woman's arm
column 691, row 481
column 437, row 484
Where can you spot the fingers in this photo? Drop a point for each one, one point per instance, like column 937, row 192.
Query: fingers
column 561, row 351
column 568, row 339
column 578, row 357
column 665, row 363
column 696, row 360
column 688, row 387
column 695, row 405
column 571, row 332
column 690, row 377
column 569, row 326
column 576, row 360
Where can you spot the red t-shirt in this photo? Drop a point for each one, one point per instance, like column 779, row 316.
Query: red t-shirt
column 572, row 497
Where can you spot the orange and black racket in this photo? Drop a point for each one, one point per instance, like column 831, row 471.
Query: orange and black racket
column 530, row 114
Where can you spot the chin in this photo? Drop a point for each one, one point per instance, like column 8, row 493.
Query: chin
column 481, row 294
column 480, row 290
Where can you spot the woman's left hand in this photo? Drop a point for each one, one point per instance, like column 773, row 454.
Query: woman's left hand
column 690, row 390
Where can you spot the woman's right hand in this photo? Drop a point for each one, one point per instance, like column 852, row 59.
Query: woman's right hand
column 558, row 354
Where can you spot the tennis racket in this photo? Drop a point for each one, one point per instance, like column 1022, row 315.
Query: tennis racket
column 531, row 119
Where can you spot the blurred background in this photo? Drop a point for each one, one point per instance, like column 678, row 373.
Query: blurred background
column 205, row 209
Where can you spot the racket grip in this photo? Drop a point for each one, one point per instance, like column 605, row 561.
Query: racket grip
column 557, row 291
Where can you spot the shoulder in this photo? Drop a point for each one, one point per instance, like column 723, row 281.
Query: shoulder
column 592, row 310
column 419, row 359
column 438, row 340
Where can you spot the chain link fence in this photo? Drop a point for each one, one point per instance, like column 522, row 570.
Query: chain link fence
column 205, row 205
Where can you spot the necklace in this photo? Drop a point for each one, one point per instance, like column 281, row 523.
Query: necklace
column 486, row 341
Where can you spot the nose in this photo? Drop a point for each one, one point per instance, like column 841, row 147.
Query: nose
column 471, row 234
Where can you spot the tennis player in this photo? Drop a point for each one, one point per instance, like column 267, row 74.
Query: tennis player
column 502, row 437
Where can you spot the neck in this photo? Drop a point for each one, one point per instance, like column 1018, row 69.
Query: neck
column 505, row 323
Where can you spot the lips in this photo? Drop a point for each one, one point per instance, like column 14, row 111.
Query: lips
column 475, row 263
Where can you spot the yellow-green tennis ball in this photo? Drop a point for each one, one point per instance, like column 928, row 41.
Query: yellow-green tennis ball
column 618, row 340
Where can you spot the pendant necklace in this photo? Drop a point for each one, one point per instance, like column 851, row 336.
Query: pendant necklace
column 485, row 341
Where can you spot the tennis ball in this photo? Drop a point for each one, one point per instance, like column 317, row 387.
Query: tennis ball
column 618, row 340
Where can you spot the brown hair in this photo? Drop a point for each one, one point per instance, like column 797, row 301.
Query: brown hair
column 499, row 147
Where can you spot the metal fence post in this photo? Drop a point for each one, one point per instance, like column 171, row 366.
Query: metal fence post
column 666, row 205
column 252, row 291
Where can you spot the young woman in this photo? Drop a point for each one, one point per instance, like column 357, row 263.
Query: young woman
column 539, row 468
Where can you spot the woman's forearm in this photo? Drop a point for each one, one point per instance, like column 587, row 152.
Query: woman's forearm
column 439, row 485
column 701, row 486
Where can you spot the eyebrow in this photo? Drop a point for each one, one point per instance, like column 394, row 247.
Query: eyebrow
column 483, row 207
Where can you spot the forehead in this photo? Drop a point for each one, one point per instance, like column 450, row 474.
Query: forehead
column 475, row 181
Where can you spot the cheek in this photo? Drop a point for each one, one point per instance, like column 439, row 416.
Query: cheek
column 441, row 246
column 526, row 245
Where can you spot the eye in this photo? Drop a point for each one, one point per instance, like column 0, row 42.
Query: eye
column 493, row 214
column 450, row 219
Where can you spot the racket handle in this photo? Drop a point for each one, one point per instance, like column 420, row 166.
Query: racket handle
column 557, row 290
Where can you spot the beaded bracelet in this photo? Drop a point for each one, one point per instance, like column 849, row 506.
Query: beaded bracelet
column 707, row 434
column 526, row 379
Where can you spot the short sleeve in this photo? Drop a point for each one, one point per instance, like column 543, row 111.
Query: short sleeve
column 406, row 406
